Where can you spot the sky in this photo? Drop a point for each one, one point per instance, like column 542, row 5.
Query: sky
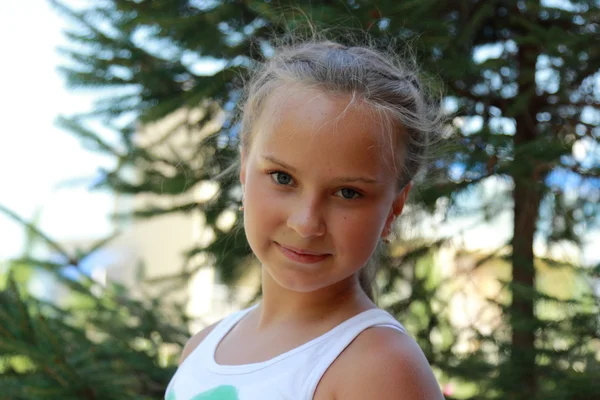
column 35, row 155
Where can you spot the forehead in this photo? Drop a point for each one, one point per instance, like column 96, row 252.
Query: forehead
column 308, row 126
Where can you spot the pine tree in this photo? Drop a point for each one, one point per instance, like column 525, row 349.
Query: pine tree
column 105, row 345
column 538, row 77
column 114, row 349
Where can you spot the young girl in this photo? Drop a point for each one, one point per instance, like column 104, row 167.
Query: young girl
column 331, row 140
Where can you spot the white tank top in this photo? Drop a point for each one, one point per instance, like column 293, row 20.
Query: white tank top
column 293, row 375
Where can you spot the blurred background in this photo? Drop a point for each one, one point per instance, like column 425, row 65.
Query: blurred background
column 118, row 242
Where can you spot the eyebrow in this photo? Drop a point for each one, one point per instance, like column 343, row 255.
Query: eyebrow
column 278, row 162
column 362, row 179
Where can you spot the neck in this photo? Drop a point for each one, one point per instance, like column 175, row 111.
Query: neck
column 280, row 305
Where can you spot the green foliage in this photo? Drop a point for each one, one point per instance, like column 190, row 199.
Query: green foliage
column 108, row 348
column 91, row 342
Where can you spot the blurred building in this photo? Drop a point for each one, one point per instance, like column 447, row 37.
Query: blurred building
column 158, row 245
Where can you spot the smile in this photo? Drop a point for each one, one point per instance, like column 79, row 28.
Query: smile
column 302, row 256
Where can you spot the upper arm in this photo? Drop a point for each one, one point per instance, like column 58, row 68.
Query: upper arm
column 194, row 341
column 383, row 364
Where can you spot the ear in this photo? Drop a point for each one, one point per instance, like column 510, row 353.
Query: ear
column 397, row 207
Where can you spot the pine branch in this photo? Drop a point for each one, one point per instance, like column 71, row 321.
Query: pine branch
column 32, row 228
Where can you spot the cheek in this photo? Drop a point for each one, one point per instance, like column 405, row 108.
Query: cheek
column 261, row 210
column 357, row 233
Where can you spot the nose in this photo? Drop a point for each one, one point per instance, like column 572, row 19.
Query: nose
column 307, row 220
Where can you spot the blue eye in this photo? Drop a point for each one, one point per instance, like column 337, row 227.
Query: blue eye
column 281, row 178
column 349, row 194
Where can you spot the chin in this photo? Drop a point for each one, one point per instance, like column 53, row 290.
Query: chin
column 297, row 277
column 295, row 282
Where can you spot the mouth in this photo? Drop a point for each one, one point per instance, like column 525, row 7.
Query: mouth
column 302, row 255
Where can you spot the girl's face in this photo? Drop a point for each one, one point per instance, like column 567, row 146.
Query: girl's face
column 319, row 188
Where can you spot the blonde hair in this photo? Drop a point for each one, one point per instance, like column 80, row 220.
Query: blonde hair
column 389, row 87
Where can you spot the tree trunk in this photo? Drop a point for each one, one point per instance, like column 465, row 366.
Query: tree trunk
column 527, row 197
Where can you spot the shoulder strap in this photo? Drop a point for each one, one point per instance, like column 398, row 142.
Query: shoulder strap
column 207, row 347
column 347, row 332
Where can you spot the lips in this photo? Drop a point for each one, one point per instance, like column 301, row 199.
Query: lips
column 301, row 255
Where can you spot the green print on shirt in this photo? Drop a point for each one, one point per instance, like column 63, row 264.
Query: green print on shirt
column 218, row 393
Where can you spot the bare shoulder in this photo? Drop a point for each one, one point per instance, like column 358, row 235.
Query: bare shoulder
column 387, row 364
column 195, row 340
